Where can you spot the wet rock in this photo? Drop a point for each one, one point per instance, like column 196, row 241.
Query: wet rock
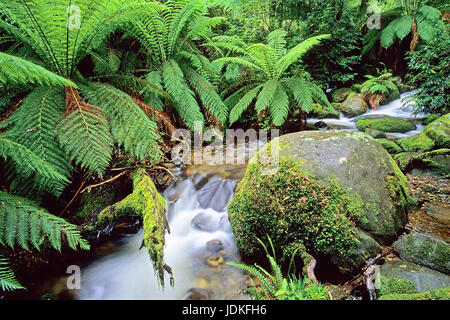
column 353, row 160
column 423, row 278
column 214, row 246
column 320, row 124
column 354, row 106
column 424, row 250
column 432, row 219
column 199, row 294
column 214, row 261
column 204, row 222
column 336, row 293
column 376, row 134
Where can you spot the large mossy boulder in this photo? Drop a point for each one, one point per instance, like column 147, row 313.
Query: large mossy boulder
column 354, row 105
column 337, row 192
column 385, row 124
column 425, row 250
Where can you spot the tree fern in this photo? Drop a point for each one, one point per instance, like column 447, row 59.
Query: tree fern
column 268, row 89
column 8, row 281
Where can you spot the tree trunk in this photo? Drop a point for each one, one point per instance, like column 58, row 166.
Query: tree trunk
column 415, row 36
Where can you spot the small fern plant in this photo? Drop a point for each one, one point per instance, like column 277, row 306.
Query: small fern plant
column 378, row 88
column 275, row 286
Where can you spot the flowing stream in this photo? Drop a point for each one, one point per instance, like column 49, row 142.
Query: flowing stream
column 398, row 108
column 199, row 243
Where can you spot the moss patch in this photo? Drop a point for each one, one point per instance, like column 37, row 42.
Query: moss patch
column 437, row 294
column 429, row 119
column 419, row 142
column 439, row 131
column 395, row 286
column 385, row 124
column 390, row 146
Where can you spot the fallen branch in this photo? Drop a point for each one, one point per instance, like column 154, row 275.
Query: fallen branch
column 359, row 280
column 73, row 198
column 88, row 189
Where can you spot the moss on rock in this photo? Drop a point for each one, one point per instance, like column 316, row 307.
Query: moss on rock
column 385, row 124
column 321, row 112
column 430, row 118
column 439, row 131
column 419, row 142
column 390, row 146
column 395, row 286
column 436, row 294
column 425, row 250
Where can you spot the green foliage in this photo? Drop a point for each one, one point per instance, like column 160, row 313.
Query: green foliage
column 130, row 126
column 275, row 286
column 271, row 89
column 168, row 34
column 33, row 126
column 291, row 207
column 429, row 69
column 379, row 85
column 413, row 17
column 436, row 294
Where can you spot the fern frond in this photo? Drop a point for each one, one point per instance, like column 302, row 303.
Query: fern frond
column 28, row 163
column 297, row 52
column 8, row 281
column 84, row 134
column 24, row 222
column 243, row 104
column 130, row 126
column 267, row 285
column 33, row 126
column 279, row 108
column 302, row 93
column 208, row 94
column 15, row 70
column 266, row 95
column 185, row 102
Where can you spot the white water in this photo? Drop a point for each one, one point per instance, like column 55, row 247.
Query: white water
column 394, row 109
column 128, row 273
